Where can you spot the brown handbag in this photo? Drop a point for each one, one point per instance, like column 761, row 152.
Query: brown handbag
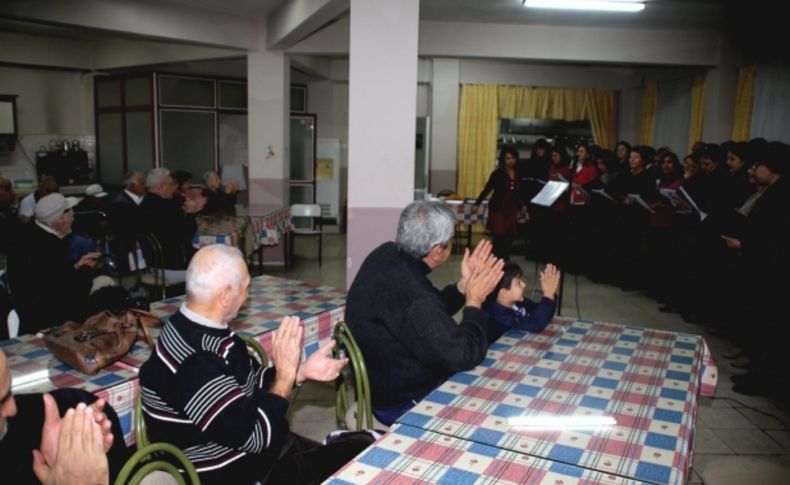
column 101, row 340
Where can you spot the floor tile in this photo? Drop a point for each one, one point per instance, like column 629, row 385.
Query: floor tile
column 723, row 418
column 748, row 441
column 706, row 442
column 777, row 420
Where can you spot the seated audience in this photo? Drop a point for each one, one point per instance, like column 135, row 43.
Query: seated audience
column 218, row 198
column 404, row 325
column 508, row 308
column 27, row 205
column 32, row 435
column 47, row 289
column 126, row 219
column 172, row 223
column 9, row 222
column 203, row 392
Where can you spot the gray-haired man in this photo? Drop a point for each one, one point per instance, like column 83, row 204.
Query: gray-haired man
column 404, row 325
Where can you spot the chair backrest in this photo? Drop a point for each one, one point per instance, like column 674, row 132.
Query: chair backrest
column 138, row 423
column 154, row 258
column 150, row 458
column 13, row 324
column 347, row 346
column 305, row 210
column 254, row 348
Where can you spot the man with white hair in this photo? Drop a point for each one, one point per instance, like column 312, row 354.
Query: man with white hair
column 46, row 288
column 126, row 218
column 204, row 393
column 403, row 325
column 173, row 224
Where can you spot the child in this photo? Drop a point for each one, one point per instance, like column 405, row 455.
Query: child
column 509, row 310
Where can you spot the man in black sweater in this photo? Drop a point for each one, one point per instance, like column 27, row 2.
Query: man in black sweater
column 203, row 393
column 404, row 325
column 126, row 219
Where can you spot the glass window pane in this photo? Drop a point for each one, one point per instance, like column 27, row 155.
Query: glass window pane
column 179, row 91
column 108, row 94
column 110, row 158
column 139, row 141
column 232, row 95
column 302, row 147
column 233, row 139
column 188, row 141
column 138, row 91
column 298, row 99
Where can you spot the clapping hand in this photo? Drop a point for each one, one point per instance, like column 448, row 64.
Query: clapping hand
column 550, row 281
column 320, row 366
column 483, row 280
column 471, row 261
column 286, row 354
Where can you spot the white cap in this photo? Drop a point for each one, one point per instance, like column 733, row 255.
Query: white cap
column 95, row 190
column 51, row 207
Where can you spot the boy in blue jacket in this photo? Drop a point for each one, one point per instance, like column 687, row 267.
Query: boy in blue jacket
column 508, row 309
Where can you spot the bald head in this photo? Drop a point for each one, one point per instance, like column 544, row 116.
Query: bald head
column 212, row 269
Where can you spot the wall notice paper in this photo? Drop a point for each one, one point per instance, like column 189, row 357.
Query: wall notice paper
column 323, row 169
column 639, row 200
column 234, row 173
column 550, row 192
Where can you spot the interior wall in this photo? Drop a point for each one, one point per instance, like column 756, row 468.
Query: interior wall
column 50, row 105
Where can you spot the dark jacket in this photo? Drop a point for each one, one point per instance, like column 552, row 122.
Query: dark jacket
column 204, row 394
column 217, row 201
column 530, row 316
column 405, row 330
column 765, row 244
column 498, row 182
column 126, row 221
column 45, row 288
column 174, row 228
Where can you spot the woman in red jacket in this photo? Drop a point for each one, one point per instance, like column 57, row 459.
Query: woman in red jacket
column 584, row 174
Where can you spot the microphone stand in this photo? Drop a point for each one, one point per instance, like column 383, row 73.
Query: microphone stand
column 564, row 259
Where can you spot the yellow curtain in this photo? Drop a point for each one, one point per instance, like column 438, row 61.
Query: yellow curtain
column 649, row 115
column 600, row 111
column 483, row 104
column 697, row 110
column 744, row 97
column 478, row 127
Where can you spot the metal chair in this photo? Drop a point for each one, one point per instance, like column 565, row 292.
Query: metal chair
column 346, row 411
column 312, row 212
column 255, row 349
column 154, row 273
column 148, row 461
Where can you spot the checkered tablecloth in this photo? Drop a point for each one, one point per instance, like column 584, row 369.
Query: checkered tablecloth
column 270, row 228
column 407, row 455
column 218, row 230
column 464, row 213
column 647, row 380
column 270, row 299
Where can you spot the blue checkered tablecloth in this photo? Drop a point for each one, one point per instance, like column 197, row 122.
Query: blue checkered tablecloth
column 647, row 381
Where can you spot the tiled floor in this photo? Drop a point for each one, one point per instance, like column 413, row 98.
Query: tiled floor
column 739, row 439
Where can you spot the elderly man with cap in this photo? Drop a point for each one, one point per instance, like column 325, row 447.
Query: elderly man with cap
column 46, row 288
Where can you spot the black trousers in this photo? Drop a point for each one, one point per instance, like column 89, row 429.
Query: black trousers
column 24, row 434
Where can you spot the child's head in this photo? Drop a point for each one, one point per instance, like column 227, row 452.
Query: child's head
column 511, row 286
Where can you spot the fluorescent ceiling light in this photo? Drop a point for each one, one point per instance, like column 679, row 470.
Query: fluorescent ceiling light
column 609, row 6
column 561, row 422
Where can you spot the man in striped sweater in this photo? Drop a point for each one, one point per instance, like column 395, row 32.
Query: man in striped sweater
column 203, row 393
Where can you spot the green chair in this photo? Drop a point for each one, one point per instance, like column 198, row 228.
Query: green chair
column 148, row 460
column 254, row 348
column 346, row 346
column 138, row 423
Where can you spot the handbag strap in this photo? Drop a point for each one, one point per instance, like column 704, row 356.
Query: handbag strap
column 145, row 319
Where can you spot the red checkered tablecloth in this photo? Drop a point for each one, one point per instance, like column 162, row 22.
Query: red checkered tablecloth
column 407, row 455
column 647, row 380
column 218, row 230
column 464, row 213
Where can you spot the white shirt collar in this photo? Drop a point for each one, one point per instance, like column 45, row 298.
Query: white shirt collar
column 49, row 230
column 200, row 319
column 138, row 199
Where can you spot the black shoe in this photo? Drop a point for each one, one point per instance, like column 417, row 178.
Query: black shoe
column 752, row 386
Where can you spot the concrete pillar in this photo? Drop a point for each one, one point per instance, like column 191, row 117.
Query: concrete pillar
column 267, row 121
column 720, row 85
column 445, row 89
column 382, row 112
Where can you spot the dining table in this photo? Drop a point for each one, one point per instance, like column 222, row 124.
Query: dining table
column 607, row 399
column 270, row 299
